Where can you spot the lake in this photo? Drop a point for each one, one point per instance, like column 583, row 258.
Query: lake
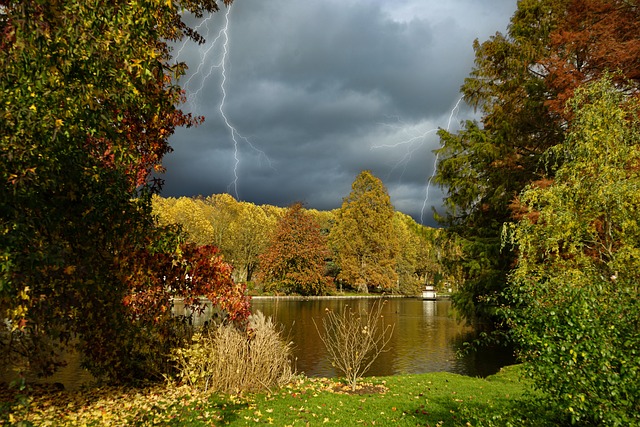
column 427, row 337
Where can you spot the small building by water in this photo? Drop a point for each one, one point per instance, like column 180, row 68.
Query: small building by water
column 429, row 293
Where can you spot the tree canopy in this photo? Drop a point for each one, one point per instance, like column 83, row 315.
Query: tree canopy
column 243, row 232
column 90, row 99
column 574, row 293
column 520, row 83
column 295, row 260
column 364, row 236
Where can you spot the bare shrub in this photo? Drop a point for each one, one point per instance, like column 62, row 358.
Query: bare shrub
column 230, row 360
column 354, row 340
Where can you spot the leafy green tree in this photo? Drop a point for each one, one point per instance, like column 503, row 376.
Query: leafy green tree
column 364, row 238
column 574, row 292
column 294, row 262
column 484, row 166
column 89, row 101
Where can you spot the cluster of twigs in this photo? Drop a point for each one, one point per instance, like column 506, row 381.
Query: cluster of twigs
column 355, row 339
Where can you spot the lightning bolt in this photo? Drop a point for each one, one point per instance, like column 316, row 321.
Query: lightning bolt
column 435, row 164
column 196, row 28
column 413, row 142
column 220, row 46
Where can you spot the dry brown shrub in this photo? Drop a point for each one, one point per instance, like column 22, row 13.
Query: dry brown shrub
column 230, row 360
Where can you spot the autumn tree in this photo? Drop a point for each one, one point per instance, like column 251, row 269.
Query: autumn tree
column 409, row 246
column 364, row 238
column 241, row 230
column 89, row 101
column 484, row 166
column 250, row 236
column 592, row 38
column 155, row 276
column 193, row 215
column 574, row 295
column 225, row 211
column 294, row 262
column 520, row 83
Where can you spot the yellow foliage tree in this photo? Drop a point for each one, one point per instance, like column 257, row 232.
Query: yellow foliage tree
column 364, row 238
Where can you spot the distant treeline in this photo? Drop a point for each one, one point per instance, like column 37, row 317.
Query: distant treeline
column 366, row 245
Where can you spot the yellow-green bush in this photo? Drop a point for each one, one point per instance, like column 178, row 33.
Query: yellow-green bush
column 575, row 295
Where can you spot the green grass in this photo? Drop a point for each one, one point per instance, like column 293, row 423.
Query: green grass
column 425, row 399
column 436, row 399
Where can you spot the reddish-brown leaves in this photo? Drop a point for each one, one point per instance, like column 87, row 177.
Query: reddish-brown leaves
column 190, row 273
column 595, row 36
column 295, row 259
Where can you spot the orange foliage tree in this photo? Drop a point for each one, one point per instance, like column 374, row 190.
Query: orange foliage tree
column 593, row 37
column 364, row 238
column 295, row 258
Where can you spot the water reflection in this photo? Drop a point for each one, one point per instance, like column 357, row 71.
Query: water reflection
column 426, row 338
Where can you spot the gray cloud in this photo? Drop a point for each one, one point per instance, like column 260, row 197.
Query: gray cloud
column 323, row 90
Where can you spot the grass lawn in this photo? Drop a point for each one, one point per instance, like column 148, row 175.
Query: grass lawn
column 435, row 399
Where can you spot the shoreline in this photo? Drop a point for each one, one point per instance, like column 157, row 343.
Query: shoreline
column 330, row 297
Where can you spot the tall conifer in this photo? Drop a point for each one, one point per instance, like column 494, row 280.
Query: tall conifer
column 364, row 238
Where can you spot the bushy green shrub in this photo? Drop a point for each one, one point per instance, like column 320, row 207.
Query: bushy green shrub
column 230, row 360
column 575, row 291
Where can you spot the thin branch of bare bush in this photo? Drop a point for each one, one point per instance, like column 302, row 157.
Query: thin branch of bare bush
column 354, row 340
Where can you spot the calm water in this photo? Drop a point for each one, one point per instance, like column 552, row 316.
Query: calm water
column 426, row 337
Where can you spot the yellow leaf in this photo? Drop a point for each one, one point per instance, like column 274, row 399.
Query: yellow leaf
column 24, row 293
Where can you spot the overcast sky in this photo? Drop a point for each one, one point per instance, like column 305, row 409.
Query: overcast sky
column 318, row 91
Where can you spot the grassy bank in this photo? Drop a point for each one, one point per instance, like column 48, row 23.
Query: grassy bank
column 435, row 399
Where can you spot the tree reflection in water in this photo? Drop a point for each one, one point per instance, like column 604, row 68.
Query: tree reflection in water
column 427, row 337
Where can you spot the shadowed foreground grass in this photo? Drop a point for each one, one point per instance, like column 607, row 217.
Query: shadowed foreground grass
column 436, row 399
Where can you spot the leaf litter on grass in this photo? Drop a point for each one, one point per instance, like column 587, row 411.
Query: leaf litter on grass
column 426, row 399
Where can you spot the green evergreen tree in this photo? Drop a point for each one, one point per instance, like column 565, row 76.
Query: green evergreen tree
column 520, row 83
column 484, row 166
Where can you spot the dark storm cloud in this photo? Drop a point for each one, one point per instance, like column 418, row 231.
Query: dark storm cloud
column 323, row 90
